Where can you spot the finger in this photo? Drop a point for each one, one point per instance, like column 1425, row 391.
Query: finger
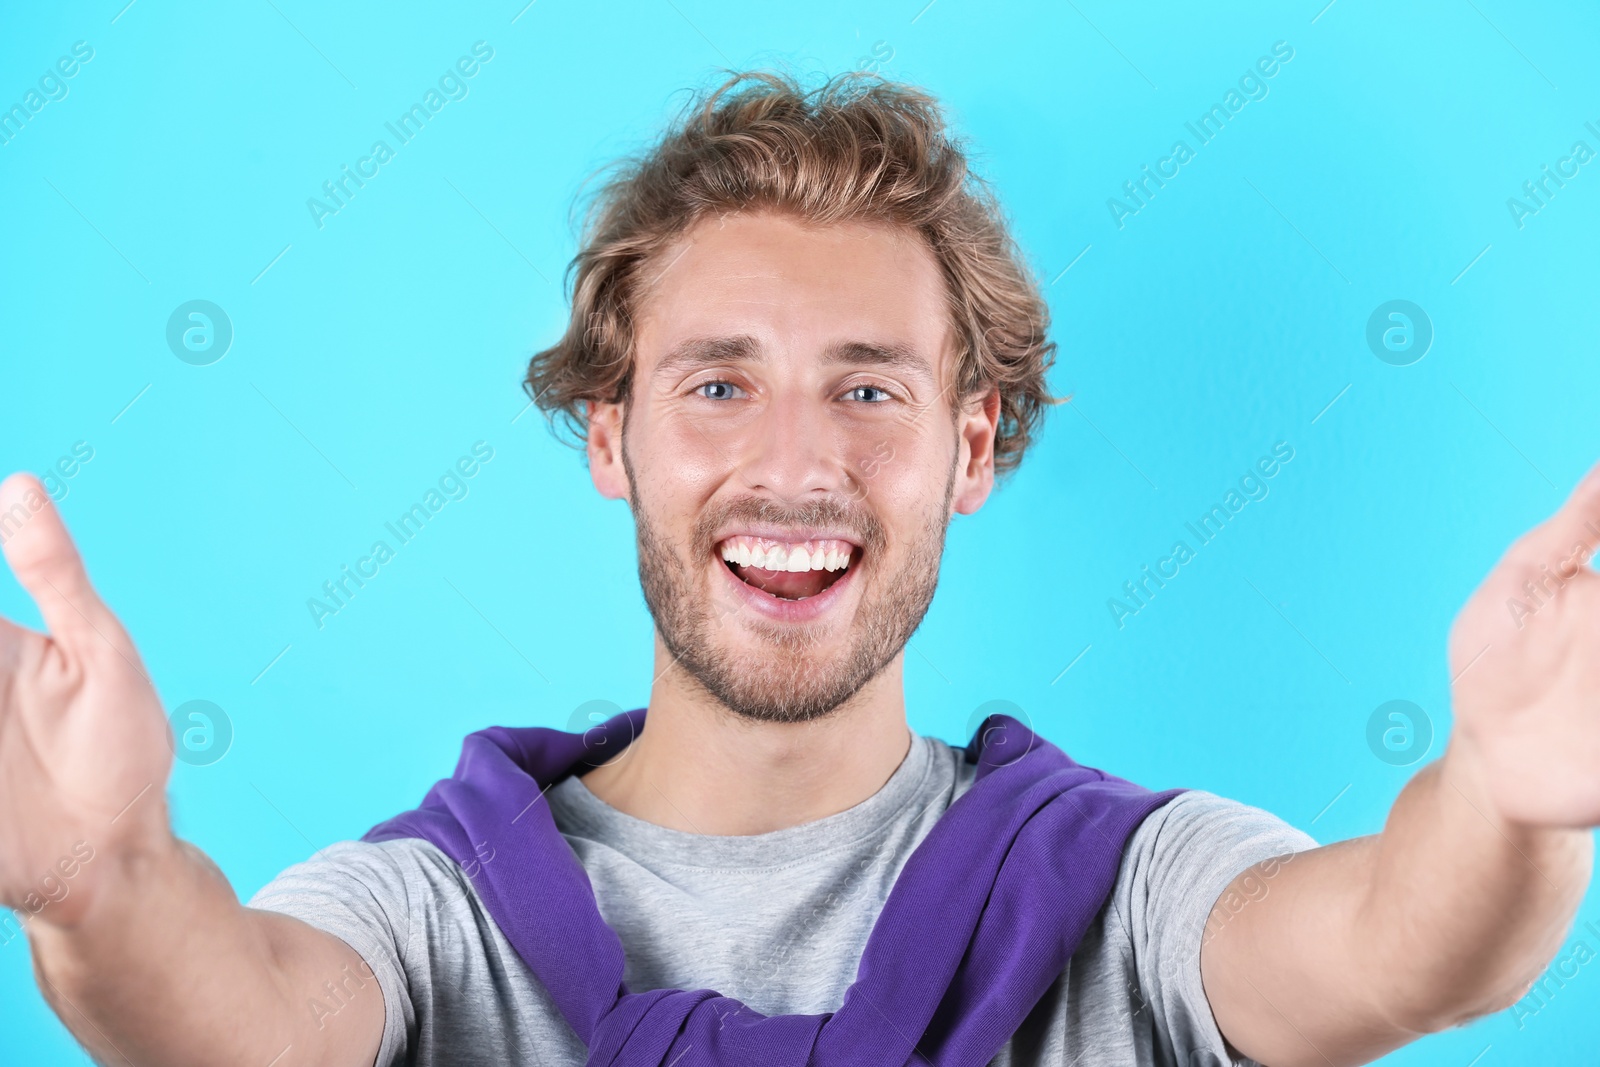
column 46, row 562
column 1565, row 542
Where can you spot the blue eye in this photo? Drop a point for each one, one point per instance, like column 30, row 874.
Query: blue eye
column 724, row 390
column 883, row 393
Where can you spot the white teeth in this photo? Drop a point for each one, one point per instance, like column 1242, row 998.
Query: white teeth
column 825, row 554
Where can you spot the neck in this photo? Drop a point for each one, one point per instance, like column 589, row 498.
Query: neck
column 699, row 768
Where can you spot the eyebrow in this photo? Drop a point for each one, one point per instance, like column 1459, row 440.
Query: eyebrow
column 696, row 352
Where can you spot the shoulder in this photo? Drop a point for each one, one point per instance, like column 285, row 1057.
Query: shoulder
column 381, row 899
column 1197, row 826
column 1177, row 867
column 1182, row 856
column 381, row 881
column 1193, row 820
column 1186, row 853
column 402, row 858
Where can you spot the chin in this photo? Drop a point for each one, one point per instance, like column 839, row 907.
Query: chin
column 797, row 675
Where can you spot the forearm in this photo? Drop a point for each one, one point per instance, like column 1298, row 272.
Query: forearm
column 166, row 967
column 1359, row 947
column 1464, row 907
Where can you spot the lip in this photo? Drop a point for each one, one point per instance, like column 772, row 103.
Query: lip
column 793, row 611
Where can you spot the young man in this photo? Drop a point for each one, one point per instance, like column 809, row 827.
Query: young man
column 801, row 342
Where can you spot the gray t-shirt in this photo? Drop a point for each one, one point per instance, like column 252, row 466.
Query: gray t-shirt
column 778, row 921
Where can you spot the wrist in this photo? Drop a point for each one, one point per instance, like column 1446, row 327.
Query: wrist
column 1466, row 778
column 91, row 887
column 1463, row 776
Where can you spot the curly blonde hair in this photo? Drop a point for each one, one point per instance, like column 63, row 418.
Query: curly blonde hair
column 859, row 147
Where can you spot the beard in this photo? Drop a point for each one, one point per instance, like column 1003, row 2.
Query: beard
column 781, row 677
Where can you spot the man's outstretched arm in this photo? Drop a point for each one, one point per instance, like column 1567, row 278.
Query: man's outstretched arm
column 1457, row 906
column 139, row 942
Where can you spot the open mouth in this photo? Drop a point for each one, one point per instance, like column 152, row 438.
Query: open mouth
column 787, row 570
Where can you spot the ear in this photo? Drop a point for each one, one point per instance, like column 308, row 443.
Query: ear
column 604, row 446
column 977, row 426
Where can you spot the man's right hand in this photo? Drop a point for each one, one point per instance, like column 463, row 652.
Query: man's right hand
column 140, row 944
column 84, row 746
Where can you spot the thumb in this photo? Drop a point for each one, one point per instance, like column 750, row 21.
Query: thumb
column 1564, row 543
column 42, row 556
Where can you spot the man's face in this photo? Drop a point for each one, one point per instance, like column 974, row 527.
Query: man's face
column 792, row 454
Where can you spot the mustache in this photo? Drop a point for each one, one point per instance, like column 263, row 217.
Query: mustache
column 862, row 526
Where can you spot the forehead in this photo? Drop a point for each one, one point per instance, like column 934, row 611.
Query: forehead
column 796, row 288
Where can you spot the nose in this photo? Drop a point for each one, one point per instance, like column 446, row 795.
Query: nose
column 793, row 451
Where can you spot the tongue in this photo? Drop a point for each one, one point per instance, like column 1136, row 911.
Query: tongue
column 789, row 584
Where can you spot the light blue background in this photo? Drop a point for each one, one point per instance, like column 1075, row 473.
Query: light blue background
column 1223, row 317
